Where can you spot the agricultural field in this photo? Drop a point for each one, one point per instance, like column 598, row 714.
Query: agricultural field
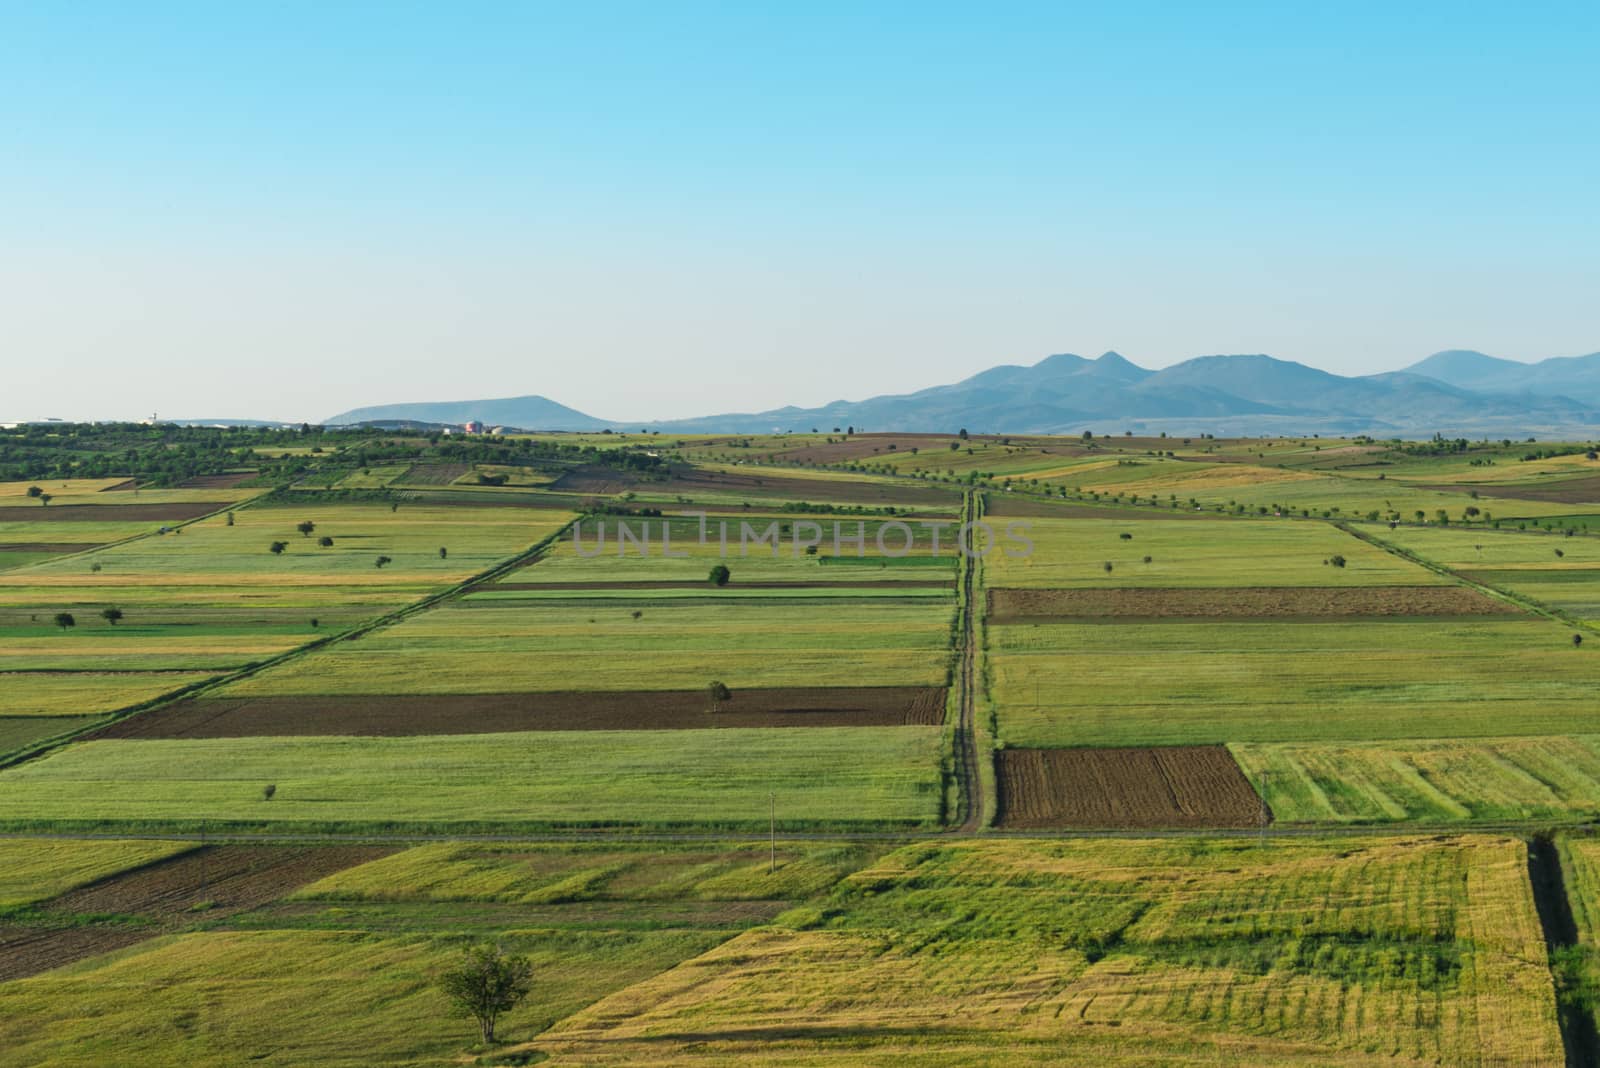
column 1070, row 553
column 832, row 777
column 1552, row 779
column 1121, row 952
column 1549, row 569
column 920, row 735
column 1179, row 682
column 209, row 598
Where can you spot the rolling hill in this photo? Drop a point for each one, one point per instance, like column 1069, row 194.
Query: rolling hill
column 1454, row 393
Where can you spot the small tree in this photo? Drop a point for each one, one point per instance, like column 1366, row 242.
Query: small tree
column 1336, row 560
column 487, row 984
column 1107, row 566
column 65, row 620
column 719, row 575
column 35, row 491
column 230, row 519
column 277, row 547
column 45, row 498
column 325, row 541
column 111, row 615
column 443, row 553
column 718, row 694
column 381, row 561
column 1577, row 640
column 1125, row 536
column 306, row 528
column 269, row 791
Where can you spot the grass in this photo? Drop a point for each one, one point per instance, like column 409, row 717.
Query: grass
column 1523, row 563
column 478, row 647
column 645, row 558
column 558, row 874
column 213, row 598
column 1552, row 779
column 837, row 777
column 1073, row 552
column 1122, row 952
column 19, row 731
column 81, row 693
column 304, row 997
column 1578, row 966
column 1177, row 683
column 33, row 870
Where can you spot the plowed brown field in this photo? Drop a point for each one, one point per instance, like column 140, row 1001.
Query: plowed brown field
column 1171, row 786
column 412, row 714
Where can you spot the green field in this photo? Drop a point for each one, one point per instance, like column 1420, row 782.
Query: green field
column 295, row 997
column 1503, row 779
column 482, row 647
column 1181, row 682
column 1347, row 952
column 1071, row 553
column 830, row 776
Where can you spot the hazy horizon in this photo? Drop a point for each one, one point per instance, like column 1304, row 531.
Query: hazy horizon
column 649, row 212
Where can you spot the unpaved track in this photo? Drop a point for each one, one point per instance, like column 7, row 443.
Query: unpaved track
column 966, row 728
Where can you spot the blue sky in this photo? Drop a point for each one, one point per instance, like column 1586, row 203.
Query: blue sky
column 648, row 210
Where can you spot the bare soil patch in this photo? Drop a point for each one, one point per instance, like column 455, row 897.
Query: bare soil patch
column 1170, row 786
column 1249, row 602
column 109, row 513
column 402, row 715
column 1585, row 490
column 432, row 474
column 208, row 882
column 47, row 546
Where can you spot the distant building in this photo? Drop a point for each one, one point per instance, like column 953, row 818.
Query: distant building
column 472, row 427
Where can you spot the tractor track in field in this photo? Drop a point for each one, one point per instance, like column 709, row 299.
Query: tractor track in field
column 966, row 738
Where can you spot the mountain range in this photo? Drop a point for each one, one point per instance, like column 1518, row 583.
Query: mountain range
column 1455, row 393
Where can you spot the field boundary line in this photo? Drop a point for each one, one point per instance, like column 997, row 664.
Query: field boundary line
column 971, row 793
column 511, row 563
column 1527, row 604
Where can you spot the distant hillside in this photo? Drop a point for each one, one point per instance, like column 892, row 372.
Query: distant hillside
column 1577, row 377
column 1066, row 394
column 527, row 413
column 1454, row 393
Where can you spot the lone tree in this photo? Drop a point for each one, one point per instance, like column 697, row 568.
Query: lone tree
column 380, row 561
column 111, row 615
column 443, row 552
column 487, row 984
column 65, row 620
column 719, row 575
column 718, row 694
column 1336, row 560
column 306, row 528
column 35, row 491
column 269, row 791
column 1125, row 536
column 325, row 541
column 230, row 519
column 1577, row 640
column 277, row 547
